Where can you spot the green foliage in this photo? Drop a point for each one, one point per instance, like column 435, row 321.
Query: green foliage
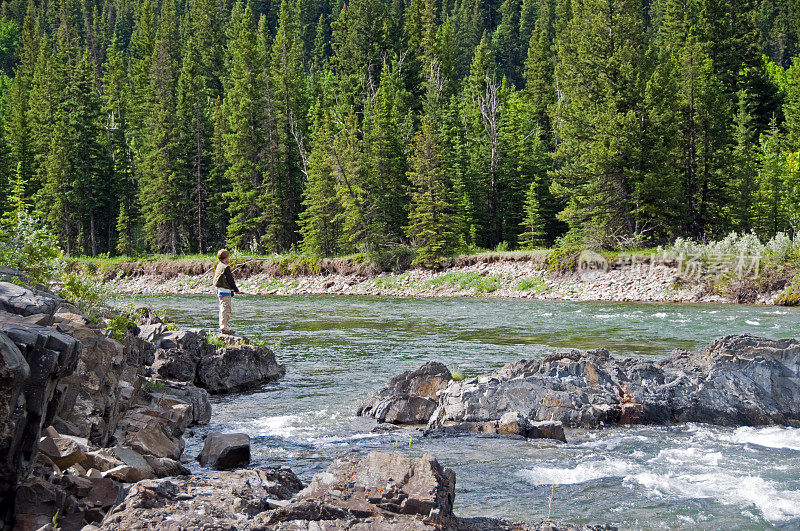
column 367, row 126
column 564, row 258
column 118, row 325
column 468, row 280
column 214, row 340
column 27, row 245
column 153, row 385
column 533, row 285
column 85, row 292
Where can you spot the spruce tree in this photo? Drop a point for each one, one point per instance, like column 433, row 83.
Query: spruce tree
column 321, row 219
column 194, row 134
column 163, row 191
column 251, row 199
column 598, row 156
column 287, row 88
column 431, row 216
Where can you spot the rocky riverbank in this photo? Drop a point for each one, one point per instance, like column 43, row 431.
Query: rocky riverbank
column 736, row 380
column 83, row 415
column 647, row 280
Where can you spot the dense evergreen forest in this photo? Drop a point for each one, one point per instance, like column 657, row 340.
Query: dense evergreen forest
column 335, row 127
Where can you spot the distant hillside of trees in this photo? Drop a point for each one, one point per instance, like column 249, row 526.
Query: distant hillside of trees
column 334, row 127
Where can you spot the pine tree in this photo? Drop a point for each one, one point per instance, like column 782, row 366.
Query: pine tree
column 163, row 192
column 742, row 181
column 533, row 234
column 194, row 134
column 251, row 199
column 287, row 124
column 119, row 139
column 506, row 41
column 431, row 217
column 523, row 166
column 771, row 213
column 385, row 184
column 321, row 221
column 599, row 133
column 17, row 125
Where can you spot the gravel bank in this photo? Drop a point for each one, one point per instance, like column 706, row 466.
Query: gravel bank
column 513, row 279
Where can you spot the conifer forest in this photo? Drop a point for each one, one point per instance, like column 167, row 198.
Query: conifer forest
column 332, row 127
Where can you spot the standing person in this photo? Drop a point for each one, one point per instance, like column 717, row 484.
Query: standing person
column 226, row 287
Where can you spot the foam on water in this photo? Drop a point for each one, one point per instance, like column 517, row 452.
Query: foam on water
column 660, row 315
column 746, row 491
column 691, row 456
column 771, row 436
column 583, row 472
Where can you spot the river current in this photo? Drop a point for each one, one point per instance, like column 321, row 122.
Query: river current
column 339, row 350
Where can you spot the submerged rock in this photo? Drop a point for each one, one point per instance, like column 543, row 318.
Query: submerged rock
column 735, row 380
column 410, row 397
column 512, row 424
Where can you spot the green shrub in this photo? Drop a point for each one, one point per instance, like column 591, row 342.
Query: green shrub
column 213, row 339
column 27, row 245
column 118, row 325
column 153, row 385
column 564, row 258
column 395, row 258
column 791, row 295
column 85, row 292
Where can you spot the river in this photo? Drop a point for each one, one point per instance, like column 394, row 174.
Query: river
column 339, row 350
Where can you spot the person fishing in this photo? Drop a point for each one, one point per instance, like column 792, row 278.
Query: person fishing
column 226, row 287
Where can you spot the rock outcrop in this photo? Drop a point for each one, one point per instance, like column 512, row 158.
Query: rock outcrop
column 734, row 381
column 386, row 490
column 33, row 360
column 79, row 416
column 737, row 380
column 378, row 491
column 410, row 397
column 187, row 356
column 223, row 500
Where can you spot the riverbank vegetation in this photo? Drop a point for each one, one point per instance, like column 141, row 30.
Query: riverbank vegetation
column 374, row 128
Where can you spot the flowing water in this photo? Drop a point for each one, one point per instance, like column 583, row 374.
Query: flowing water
column 339, row 350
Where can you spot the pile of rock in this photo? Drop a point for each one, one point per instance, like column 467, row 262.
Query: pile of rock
column 413, row 398
column 386, row 491
column 187, row 356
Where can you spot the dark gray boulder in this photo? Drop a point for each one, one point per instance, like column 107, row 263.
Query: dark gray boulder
column 22, row 301
column 410, row 397
column 33, row 359
column 225, row 451
column 187, row 356
column 238, row 368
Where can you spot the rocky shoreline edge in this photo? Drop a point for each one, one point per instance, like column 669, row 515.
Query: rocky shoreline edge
column 92, row 425
column 647, row 280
